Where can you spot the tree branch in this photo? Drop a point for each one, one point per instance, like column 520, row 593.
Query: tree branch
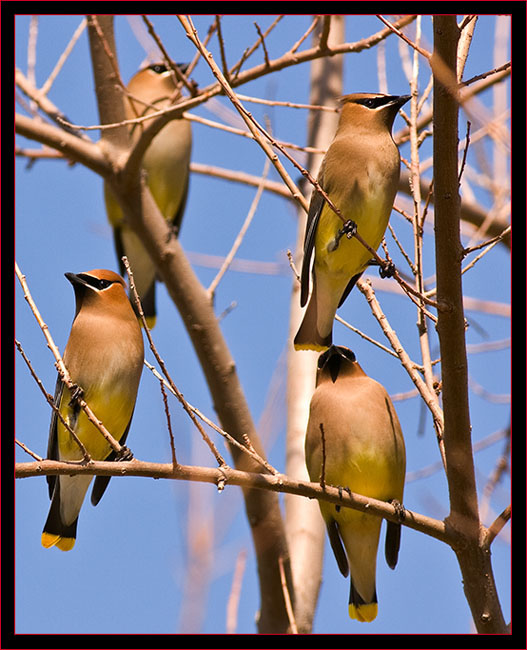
column 71, row 146
column 474, row 560
column 266, row 483
column 197, row 312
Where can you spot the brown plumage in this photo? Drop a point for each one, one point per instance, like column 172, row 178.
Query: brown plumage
column 364, row 452
column 360, row 173
column 166, row 163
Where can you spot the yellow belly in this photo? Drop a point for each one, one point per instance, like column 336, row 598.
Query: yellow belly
column 350, row 257
column 115, row 415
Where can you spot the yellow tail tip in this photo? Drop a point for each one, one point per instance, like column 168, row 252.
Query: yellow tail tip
column 63, row 543
column 363, row 613
column 150, row 321
column 310, row 346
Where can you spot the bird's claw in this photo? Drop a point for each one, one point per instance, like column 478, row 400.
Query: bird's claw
column 124, row 455
column 77, row 394
column 399, row 509
column 341, row 490
column 387, row 270
column 349, row 228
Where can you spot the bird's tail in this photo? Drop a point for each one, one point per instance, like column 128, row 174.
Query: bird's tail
column 308, row 337
column 55, row 532
column 358, row 609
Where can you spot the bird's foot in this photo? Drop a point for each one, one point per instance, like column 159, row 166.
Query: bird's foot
column 125, row 455
column 349, row 228
column 77, row 393
column 173, row 232
column 386, row 268
column 399, row 509
column 341, row 490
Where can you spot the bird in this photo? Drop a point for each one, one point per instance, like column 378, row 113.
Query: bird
column 359, row 173
column 166, row 163
column 354, row 442
column 104, row 357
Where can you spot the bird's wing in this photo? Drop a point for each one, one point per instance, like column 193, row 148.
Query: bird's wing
column 53, row 451
column 178, row 216
column 315, row 210
column 101, row 482
column 338, row 548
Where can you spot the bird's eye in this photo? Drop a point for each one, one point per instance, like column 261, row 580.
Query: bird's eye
column 103, row 284
column 370, row 103
column 158, row 68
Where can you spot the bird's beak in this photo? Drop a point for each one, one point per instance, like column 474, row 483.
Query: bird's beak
column 400, row 100
column 77, row 279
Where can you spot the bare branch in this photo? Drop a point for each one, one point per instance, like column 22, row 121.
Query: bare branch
column 234, row 595
column 428, row 396
column 239, row 238
column 496, row 526
column 263, row 482
column 474, row 562
column 219, row 458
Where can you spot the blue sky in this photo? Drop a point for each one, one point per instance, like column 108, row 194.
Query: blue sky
column 128, row 571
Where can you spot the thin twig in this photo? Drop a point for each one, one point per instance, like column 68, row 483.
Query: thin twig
column 234, row 595
column 259, row 133
column 496, row 526
column 28, row 450
column 32, row 50
column 219, row 458
column 250, row 451
column 428, row 396
column 322, row 479
column 489, row 242
column 62, row 59
column 235, row 70
column 287, row 597
column 365, row 336
column 298, row 43
column 169, row 423
column 465, row 152
column 276, row 102
column 484, row 75
column 324, row 35
column 264, row 46
column 239, row 238
column 397, row 31
column 489, row 245
column 292, row 265
column 221, row 43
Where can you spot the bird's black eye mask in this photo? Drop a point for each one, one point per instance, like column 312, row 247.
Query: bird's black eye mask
column 332, row 359
column 97, row 283
column 160, row 68
column 374, row 102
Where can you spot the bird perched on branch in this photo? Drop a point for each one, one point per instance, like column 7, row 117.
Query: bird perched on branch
column 359, row 173
column 166, row 163
column 355, row 440
column 104, row 357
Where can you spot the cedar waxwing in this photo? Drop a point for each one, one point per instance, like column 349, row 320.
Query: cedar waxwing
column 166, row 163
column 104, row 356
column 364, row 452
column 359, row 172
